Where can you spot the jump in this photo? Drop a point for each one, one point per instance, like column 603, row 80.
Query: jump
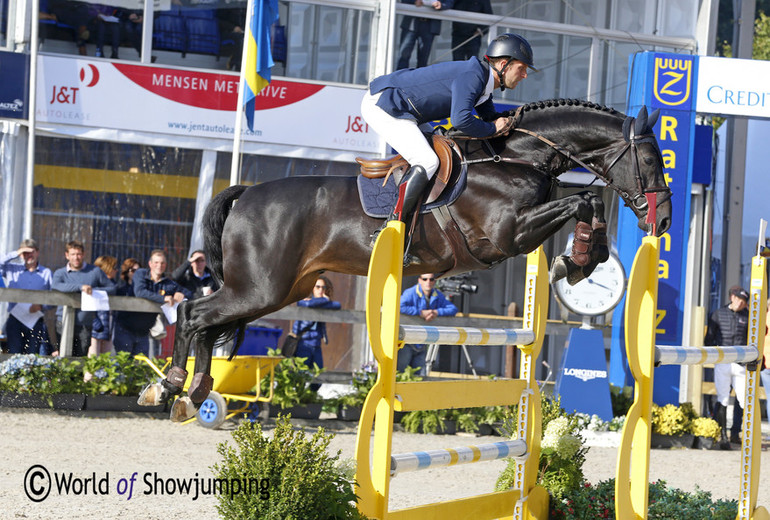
column 267, row 244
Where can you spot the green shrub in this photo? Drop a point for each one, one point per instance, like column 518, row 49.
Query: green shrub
column 303, row 481
column 622, row 398
column 562, row 455
column 665, row 503
column 291, row 386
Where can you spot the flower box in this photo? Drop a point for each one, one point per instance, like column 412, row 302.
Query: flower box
column 672, row 441
column 56, row 401
column 349, row 413
column 303, row 411
column 705, row 443
column 119, row 403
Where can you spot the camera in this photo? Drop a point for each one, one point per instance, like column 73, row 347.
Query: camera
column 455, row 285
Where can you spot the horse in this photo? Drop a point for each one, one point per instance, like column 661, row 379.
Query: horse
column 268, row 243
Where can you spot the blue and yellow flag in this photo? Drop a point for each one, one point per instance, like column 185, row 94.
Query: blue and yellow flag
column 259, row 59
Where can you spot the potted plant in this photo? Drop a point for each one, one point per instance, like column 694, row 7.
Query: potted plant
column 707, row 432
column 672, row 426
column 349, row 405
column 292, row 391
column 116, row 381
column 31, row 381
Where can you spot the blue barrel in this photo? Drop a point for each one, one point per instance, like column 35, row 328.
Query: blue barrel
column 258, row 339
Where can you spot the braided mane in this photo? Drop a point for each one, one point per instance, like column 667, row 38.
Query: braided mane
column 550, row 103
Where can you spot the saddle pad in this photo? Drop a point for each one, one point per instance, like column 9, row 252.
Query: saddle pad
column 378, row 200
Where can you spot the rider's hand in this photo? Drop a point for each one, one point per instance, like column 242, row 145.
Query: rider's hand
column 500, row 124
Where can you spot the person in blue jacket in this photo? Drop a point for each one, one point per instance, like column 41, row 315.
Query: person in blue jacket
column 399, row 106
column 314, row 332
column 426, row 301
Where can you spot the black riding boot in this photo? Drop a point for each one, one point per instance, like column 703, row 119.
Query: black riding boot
column 735, row 431
column 415, row 179
column 720, row 416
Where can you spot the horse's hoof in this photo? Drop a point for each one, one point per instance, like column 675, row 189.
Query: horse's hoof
column 152, row 395
column 200, row 386
column 183, row 409
column 575, row 275
column 559, row 269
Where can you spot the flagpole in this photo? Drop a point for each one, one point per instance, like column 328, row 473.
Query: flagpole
column 235, row 168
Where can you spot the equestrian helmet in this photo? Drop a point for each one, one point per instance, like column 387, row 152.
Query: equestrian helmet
column 512, row 46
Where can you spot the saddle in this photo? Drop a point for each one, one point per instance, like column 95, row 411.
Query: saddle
column 397, row 166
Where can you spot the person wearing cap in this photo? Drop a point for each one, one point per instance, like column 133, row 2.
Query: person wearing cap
column 729, row 326
column 427, row 302
column 25, row 328
column 195, row 276
column 399, row 107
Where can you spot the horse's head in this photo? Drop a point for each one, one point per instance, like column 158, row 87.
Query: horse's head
column 634, row 167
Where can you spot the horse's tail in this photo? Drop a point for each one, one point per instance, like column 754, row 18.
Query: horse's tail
column 213, row 224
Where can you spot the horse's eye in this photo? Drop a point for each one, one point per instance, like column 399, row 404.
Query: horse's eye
column 649, row 160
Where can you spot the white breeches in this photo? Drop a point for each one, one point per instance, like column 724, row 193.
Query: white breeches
column 726, row 375
column 404, row 135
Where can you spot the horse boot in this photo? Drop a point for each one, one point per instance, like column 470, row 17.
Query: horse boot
column 156, row 393
column 409, row 192
column 720, row 416
column 187, row 406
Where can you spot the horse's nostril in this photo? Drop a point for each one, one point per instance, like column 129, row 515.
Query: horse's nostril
column 664, row 225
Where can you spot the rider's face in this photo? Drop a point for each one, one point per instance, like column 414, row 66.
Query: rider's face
column 514, row 73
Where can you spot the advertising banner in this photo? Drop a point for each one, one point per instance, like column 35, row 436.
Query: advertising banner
column 732, row 86
column 191, row 104
column 14, row 69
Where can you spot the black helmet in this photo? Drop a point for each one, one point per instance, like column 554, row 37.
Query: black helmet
column 512, row 46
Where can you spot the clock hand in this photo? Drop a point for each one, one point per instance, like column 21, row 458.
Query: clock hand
column 599, row 284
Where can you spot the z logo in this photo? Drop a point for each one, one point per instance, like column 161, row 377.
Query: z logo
column 673, row 79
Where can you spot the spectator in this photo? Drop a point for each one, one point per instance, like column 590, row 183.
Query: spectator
column 101, row 329
column 195, row 276
column 765, row 373
column 153, row 284
column 132, row 329
column 78, row 276
column 131, row 27
column 27, row 274
column 106, row 20
column 426, row 301
column 729, row 325
column 69, row 12
column 310, row 334
column 466, row 37
column 420, row 31
column 231, row 22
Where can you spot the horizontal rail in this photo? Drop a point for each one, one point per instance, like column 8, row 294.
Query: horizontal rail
column 464, row 335
column 463, row 393
column 418, row 460
column 678, row 355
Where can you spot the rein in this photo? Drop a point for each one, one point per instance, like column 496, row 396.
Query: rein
column 638, row 201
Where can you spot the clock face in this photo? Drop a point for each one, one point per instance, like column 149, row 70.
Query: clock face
column 596, row 295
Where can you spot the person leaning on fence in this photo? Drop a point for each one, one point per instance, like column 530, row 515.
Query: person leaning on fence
column 728, row 326
column 79, row 276
column 132, row 329
column 26, row 274
column 152, row 283
column 101, row 329
column 466, row 37
column 195, row 276
column 421, row 31
column 311, row 334
column 426, row 301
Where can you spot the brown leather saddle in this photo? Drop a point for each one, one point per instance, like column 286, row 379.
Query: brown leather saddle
column 450, row 161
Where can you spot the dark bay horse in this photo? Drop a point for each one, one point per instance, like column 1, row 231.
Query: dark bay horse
column 270, row 246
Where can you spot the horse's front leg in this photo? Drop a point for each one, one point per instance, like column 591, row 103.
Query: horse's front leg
column 589, row 245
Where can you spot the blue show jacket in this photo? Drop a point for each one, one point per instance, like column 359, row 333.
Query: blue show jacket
column 449, row 89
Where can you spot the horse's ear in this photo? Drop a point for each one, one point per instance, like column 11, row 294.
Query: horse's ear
column 627, row 128
column 641, row 121
column 652, row 120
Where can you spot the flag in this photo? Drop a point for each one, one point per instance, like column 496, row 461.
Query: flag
column 259, row 59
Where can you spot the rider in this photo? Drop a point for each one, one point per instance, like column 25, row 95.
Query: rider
column 399, row 106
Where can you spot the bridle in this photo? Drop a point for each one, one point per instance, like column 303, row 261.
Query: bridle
column 639, row 200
